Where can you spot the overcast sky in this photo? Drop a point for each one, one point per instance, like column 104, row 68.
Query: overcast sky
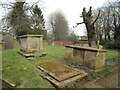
column 72, row 9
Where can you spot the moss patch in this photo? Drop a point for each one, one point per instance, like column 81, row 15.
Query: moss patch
column 58, row 71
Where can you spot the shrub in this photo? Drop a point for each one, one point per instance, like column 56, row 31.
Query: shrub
column 114, row 44
column 72, row 37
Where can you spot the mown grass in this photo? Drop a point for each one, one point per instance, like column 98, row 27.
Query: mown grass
column 24, row 73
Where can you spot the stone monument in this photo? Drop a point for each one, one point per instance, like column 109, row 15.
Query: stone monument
column 9, row 42
column 90, row 57
column 60, row 75
column 31, row 46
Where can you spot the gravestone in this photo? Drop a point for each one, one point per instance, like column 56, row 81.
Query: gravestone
column 9, row 42
column 15, row 42
column 31, row 45
column 60, row 75
column 90, row 57
column 2, row 45
column 45, row 43
column 1, row 37
column 85, row 45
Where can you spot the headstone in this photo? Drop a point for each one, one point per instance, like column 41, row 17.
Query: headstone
column 45, row 43
column 85, row 45
column 2, row 45
column 9, row 42
column 15, row 42
column 100, row 46
column 1, row 37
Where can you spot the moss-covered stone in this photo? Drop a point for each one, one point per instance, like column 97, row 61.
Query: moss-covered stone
column 57, row 70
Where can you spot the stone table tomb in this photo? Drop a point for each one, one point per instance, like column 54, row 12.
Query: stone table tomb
column 89, row 57
column 31, row 45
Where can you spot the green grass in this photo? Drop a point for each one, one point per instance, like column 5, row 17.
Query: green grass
column 24, row 73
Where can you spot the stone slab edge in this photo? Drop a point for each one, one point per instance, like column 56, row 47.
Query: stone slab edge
column 64, row 83
column 30, row 55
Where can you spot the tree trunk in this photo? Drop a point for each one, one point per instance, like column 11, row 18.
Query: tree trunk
column 87, row 19
column 105, row 37
column 100, row 38
column 108, row 37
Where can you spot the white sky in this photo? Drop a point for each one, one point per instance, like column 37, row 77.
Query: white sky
column 72, row 9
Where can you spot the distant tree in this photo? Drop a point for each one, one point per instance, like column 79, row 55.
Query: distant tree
column 37, row 20
column 108, row 24
column 72, row 37
column 18, row 19
column 115, row 9
column 59, row 26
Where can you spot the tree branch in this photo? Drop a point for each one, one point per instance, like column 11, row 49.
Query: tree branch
column 35, row 3
column 3, row 5
column 79, row 23
column 96, row 18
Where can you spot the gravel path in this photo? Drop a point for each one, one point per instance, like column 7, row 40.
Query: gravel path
column 108, row 81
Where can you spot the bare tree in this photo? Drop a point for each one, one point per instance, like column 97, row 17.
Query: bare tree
column 109, row 21
column 89, row 23
column 59, row 26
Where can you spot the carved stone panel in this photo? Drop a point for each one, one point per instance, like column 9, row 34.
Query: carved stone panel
column 69, row 53
column 100, row 62
column 78, row 55
column 31, row 45
column 90, row 59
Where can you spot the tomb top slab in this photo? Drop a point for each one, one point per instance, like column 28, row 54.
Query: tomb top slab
column 58, row 71
column 86, row 48
column 31, row 36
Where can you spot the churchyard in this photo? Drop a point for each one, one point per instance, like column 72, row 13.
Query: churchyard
column 41, row 51
column 23, row 73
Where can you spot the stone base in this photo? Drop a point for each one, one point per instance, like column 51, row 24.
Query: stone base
column 62, row 84
column 60, row 75
column 31, row 56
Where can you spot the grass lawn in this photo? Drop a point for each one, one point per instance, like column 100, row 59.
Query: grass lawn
column 24, row 73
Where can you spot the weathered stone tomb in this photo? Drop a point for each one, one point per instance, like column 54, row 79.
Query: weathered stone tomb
column 60, row 75
column 89, row 57
column 31, row 45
